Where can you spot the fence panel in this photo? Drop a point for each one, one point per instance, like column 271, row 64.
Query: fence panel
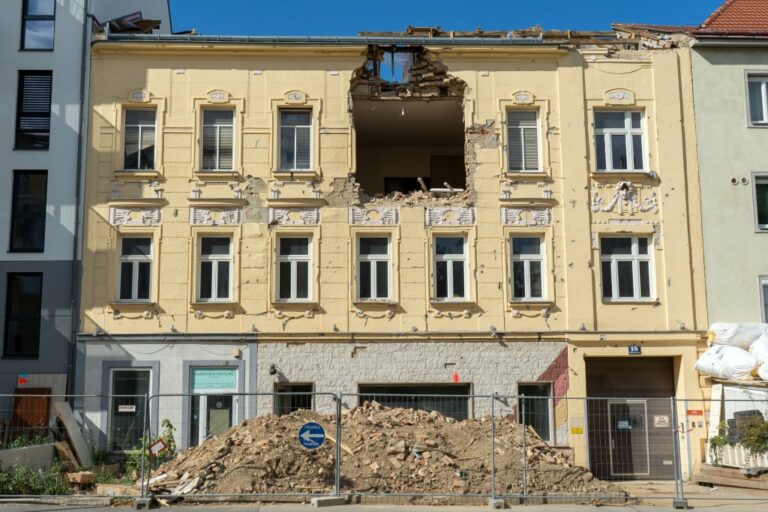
column 237, row 444
column 46, row 440
column 424, row 446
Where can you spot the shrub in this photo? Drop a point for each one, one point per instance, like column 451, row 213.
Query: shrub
column 717, row 443
column 21, row 481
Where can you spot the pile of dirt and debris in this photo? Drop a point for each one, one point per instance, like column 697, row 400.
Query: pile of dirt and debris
column 384, row 450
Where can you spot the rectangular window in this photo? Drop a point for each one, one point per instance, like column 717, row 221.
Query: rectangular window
column 215, row 270
column 761, row 201
column 625, row 264
column 38, row 24
column 450, row 268
column 295, row 140
column 294, row 264
column 139, row 140
column 535, row 405
column 22, row 315
column 758, row 99
column 523, row 140
column 527, row 268
column 292, row 397
column 127, row 408
column 764, row 291
column 135, row 268
column 28, row 211
column 619, row 141
column 33, row 109
column 373, row 263
column 218, row 140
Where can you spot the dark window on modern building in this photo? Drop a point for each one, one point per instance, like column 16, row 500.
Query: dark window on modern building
column 292, row 397
column 33, row 109
column 28, row 211
column 39, row 20
column 450, row 400
column 22, row 315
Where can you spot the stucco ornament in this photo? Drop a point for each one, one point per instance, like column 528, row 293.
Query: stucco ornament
column 218, row 96
column 449, row 216
column 625, row 199
column 294, row 216
column 138, row 96
column 522, row 98
column 295, row 97
column 619, row 97
column 214, row 216
column 374, row 216
column 134, row 216
column 526, row 216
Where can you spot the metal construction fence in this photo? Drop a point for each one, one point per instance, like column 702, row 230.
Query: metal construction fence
column 374, row 447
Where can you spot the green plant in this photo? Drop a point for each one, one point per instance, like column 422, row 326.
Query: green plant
column 101, row 457
column 717, row 443
column 22, row 441
column 754, row 435
column 21, row 481
column 132, row 464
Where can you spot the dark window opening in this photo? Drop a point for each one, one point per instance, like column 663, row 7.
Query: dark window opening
column 28, row 211
column 38, row 24
column 536, row 407
column 33, row 109
column 23, row 313
column 287, row 402
column 450, row 400
column 126, row 414
column 410, row 146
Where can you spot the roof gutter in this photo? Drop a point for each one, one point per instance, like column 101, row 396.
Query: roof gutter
column 329, row 40
column 739, row 42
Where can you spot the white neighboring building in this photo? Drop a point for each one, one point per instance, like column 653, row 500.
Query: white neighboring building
column 44, row 56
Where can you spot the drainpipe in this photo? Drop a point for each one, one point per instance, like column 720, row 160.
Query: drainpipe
column 75, row 286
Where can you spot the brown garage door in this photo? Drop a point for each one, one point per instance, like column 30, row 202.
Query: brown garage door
column 630, row 417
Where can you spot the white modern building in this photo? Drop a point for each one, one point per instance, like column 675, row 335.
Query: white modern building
column 44, row 56
column 730, row 78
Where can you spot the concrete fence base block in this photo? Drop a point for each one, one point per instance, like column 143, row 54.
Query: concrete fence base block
column 144, row 503
column 680, row 504
column 329, row 501
column 495, row 503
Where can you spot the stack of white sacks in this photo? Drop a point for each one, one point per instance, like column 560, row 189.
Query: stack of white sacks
column 738, row 352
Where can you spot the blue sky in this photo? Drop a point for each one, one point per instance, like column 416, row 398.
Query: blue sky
column 347, row 17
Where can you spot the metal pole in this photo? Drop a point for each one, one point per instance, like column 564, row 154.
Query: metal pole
column 525, row 449
column 337, row 483
column 679, row 502
column 585, row 434
column 144, row 436
column 688, row 439
column 493, row 446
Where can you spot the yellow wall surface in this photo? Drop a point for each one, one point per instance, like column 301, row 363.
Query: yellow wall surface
column 565, row 86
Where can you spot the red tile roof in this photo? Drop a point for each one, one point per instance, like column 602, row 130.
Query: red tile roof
column 737, row 18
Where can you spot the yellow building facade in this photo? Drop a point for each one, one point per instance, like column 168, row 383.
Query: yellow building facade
column 420, row 215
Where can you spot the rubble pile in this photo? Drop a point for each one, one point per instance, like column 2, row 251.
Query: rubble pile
column 384, row 450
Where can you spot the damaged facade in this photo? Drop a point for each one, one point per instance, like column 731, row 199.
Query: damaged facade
column 439, row 213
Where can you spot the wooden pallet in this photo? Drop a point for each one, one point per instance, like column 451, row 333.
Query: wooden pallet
column 730, row 477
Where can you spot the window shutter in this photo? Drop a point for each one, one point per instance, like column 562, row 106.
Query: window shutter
column 225, row 147
column 33, row 123
column 523, row 140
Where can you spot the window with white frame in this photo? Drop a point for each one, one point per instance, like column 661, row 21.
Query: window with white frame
column 625, row 264
column 135, row 268
column 523, row 140
column 761, row 201
column 764, row 294
column 215, row 269
column 139, row 151
column 619, row 141
column 373, row 261
column 218, row 140
column 527, row 268
column 451, row 274
column 295, row 140
column 758, row 99
column 294, row 262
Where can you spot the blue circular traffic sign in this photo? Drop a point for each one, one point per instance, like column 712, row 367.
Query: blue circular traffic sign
column 311, row 435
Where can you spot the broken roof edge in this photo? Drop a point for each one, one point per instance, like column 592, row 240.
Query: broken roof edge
column 331, row 40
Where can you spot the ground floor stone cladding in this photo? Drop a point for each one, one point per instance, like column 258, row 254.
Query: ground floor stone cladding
column 490, row 367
